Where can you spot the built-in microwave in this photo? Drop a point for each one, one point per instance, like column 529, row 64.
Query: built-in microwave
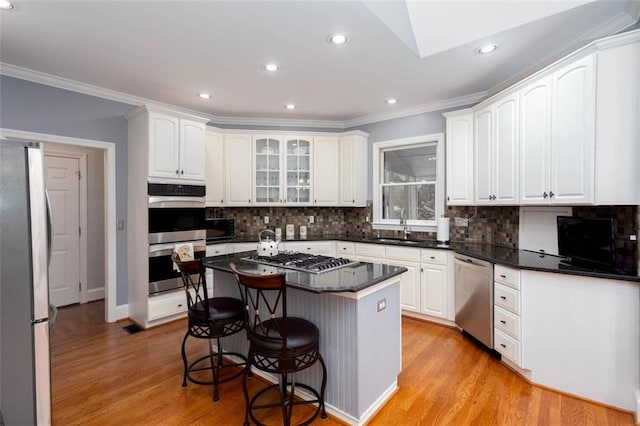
column 220, row 229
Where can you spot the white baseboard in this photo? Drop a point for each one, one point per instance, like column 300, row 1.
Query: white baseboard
column 637, row 406
column 121, row 312
column 94, row 294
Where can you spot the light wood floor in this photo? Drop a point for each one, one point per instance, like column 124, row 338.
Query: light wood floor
column 101, row 375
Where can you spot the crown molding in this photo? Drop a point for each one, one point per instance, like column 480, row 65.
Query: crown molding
column 419, row 109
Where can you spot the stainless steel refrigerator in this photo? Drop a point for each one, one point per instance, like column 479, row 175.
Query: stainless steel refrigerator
column 25, row 389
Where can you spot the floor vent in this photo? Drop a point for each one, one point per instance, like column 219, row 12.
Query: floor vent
column 132, row 328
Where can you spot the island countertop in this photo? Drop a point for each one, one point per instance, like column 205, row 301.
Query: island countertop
column 352, row 278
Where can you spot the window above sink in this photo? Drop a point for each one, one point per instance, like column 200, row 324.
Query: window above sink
column 408, row 179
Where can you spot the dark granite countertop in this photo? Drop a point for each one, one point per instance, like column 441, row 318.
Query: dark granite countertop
column 352, row 278
column 521, row 259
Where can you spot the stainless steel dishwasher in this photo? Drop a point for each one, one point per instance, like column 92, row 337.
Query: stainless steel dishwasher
column 474, row 297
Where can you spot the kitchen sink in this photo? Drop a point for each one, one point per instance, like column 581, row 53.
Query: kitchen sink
column 395, row 240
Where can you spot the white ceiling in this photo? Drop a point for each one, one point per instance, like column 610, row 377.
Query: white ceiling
column 422, row 53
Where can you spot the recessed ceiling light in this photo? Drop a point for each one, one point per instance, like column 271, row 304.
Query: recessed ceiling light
column 271, row 67
column 290, row 106
column 392, row 101
column 337, row 39
column 205, row 95
column 487, row 48
column 4, row 4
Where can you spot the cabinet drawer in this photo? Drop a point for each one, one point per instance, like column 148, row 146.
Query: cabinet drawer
column 440, row 257
column 507, row 298
column 343, row 247
column 370, row 250
column 164, row 306
column 507, row 276
column 313, row 247
column 403, row 253
column 507, row 322
column 507, row 346
column 217, row 249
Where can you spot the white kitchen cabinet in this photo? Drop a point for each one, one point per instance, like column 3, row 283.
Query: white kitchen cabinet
column 535, row 142
column 346, row 250
column 326, row 248
column 507, row 313
column 496, row 151
column 353, row 169
column 282, row 173
column 581, row 335
column 326, row 170
column 238, row 169
column 167, row 306
column 176, row 148
column 215, row 168
column 572, row 132
column 409, row 258
column 459, row 158
column 434, row 283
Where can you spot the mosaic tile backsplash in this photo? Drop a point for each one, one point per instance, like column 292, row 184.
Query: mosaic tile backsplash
column 491, row 225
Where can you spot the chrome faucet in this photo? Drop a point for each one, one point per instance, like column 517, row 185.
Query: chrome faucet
column 406, row 231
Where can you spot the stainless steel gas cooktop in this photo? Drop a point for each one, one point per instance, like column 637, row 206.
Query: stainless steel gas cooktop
column 312, row 263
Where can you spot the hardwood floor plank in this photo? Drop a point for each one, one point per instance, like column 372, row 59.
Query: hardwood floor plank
column 102, row 375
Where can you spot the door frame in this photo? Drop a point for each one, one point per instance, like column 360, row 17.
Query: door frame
column 82, row 206
column 113, row 311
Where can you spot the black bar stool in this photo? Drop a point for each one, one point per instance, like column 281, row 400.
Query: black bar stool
column 211, row 319
column 279, row 345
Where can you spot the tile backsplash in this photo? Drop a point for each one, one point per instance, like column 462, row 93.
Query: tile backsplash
column 496, row 225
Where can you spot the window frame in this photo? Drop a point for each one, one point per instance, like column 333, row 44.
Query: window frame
column 378, row 149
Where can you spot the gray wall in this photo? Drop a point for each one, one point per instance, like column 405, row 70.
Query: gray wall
column 39, row 108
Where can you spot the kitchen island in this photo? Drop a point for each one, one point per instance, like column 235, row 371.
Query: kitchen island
column 357, row 310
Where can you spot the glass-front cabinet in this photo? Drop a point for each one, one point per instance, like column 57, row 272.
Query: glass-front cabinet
column 298, row 166
column 268, row 170
column 282, row 174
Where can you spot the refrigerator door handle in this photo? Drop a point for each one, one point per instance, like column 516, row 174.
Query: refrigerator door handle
column 49, row 228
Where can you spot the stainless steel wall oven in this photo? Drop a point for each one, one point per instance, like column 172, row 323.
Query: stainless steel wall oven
column 176, row 216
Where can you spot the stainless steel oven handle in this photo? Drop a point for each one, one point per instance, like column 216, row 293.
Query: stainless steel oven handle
column 176, row 202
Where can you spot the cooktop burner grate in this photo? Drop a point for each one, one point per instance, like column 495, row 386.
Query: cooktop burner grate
column 313, row 263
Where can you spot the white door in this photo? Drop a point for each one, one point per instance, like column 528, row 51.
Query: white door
column 63, row 185
column 483, row 123
column 326, row 170
column 535, row 142
column 505, row 182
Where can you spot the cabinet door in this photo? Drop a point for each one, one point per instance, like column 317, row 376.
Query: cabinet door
column 505, row 150
column 347, row 194
column 459, row 155
column 483, row 130
column 572, row 133
column 434, row 290
column 326, row 169
column 535, row 142
column 267, row 175
column 238, row 167
column 214, row 164
column 164, row 148
column 297, row 165
column 192, row 152
column 409, row 285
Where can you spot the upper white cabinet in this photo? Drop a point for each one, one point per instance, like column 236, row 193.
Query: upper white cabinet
column 214, row 162
column 566, row 135
column 572, row 132
column 326, row 170
column 267, row 174
column 353, row 170
column 496, row 151
column 238, row 169
column 459, row 155
column 173, row 144
column 298, row 163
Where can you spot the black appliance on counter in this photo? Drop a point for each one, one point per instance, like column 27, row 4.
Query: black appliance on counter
column 220, row 229
column 587, row 243
column 176, row 216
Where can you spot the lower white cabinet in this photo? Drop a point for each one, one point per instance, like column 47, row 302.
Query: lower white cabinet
column 326, row 248
column 507, row 313
column 433, row 287
column 346, row 250
column 173, row 304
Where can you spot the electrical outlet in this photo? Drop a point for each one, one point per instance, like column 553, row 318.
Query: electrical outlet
column 461, row 221
column 382, row 304
column 266, row 220
column 312, row 219
column 366, row 219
